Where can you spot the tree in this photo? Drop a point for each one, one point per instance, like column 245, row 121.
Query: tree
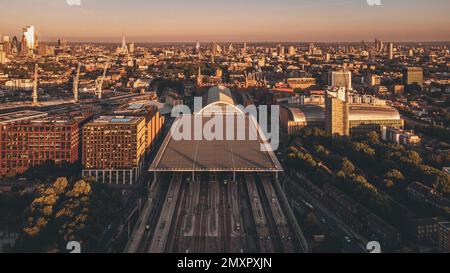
column 414, row 157
column 373, row 138
column 394, row 174
column 388, row 183
column 347, row 167
column 442, row 183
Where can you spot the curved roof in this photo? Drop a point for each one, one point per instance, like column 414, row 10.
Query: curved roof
column 220, row 93
column 307, row 113
column 363, row 112
column 220, row 100
column 358, row 112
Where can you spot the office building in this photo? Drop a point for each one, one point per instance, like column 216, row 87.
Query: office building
column 337, row 114
column 413, row 75
column 30, row 138
column 341, row 78
column 153, row 120
column 114, row 149
column 29, row 33
column 391, row 51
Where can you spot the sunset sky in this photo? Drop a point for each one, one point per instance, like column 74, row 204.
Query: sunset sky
column 229, row 20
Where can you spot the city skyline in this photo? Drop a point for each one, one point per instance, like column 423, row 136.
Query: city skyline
column 252, row 21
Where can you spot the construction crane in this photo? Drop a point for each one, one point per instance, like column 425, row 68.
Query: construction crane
column 100, row 84
column 35, row 86
column 75, row 83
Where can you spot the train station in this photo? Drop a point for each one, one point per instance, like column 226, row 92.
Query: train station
column 210, row 196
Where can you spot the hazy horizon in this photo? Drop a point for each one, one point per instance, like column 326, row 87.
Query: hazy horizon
column 231, row 21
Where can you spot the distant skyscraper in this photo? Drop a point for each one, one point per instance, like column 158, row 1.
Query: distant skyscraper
column 30, row 35
column 216, row 49
column 124, row 43
column 292, row 51
column 230, row 48
column 413, row 75
column 311, row 48
column 132, row 48
column 379, row 46
column 199, row 77
column 391, row 51
column 15, row 45
column 340, row 79
column 24, row 49
column 197, row 46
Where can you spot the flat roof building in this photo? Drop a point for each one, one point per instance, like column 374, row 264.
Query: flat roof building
column 28, row 143
column 153, row 119
column 114, row 149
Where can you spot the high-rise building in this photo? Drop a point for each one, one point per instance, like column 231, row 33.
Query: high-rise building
column 30, row 138
column 292, row 51
column 379, row 46
column 132, row 48
column 24, row 49
column 311, row 48
column 342, row 78
column 114, row 149
column 3, row 58
column 391, row 51
column 29, row 32
column 444, row 237
column 216, row 49
column 337, row 113
column 124, row 43
column 413, row 75
column 199, row 77
column 15, row 45
column 197, row 46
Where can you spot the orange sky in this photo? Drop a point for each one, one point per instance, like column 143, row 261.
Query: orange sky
column 232, row 20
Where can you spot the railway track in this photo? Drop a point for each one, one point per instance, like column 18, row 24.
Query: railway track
column 262, row 226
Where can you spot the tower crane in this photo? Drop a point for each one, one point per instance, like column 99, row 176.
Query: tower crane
column 75, row 83
column 35, row 86
column 100, row 84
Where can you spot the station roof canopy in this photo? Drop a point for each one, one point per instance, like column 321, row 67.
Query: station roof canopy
column 228, row 152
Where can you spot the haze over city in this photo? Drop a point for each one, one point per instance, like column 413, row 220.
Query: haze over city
column 233, row 20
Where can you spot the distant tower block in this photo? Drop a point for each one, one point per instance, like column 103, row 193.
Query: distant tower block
column 35, row 86
column 199, row 77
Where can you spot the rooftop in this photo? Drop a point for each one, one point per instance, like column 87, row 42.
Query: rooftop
column 226, row 152
column 117, row 120
column 20, row 116
column 358, row 112
column 216, row 155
